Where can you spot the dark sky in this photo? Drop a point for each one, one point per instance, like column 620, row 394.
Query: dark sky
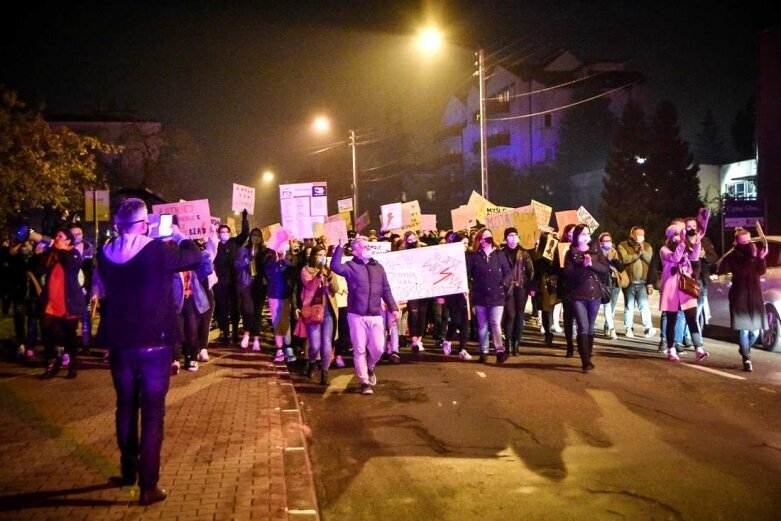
column 246, row 78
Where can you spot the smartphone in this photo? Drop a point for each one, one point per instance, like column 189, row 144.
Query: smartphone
column 161, row 225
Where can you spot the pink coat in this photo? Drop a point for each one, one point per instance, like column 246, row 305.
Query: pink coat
column 673, row 263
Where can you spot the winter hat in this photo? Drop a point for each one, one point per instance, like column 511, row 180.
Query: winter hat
column 508, row 231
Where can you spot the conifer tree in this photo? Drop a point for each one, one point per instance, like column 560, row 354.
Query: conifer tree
column 709, row 145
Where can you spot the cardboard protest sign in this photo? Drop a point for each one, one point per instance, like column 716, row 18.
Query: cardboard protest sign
column 377, row 247
column 243, row 199
column 563, row 247
column 482, row 206
column 586, row 218
column 463, row 218
column 215, row 222
column 551, row 245
column 194, row 217
column 362, row 221
column 345, row 205
column 392, row 217
column 410, row 216
column 347, row 218
column 527, row 225
column 498, row 222
column 335, row 231
column 543, row 213
column 268, row 231
column 428, row 222
column 566, row 217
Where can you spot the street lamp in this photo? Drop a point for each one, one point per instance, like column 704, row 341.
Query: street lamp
column 267, row 176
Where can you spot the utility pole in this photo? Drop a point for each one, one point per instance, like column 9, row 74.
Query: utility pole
column 483, row 137
column 351, row 142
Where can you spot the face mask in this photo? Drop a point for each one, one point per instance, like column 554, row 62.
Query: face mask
column 285, row 248
column 676, row 239
column 607, row 245
column 745, row 248
column 691, row 233
column 488, row 240
column 512, row 241
column 640, row 239
column 321, row 260
column 225, row 236
column 412, row 243
column 366, row 255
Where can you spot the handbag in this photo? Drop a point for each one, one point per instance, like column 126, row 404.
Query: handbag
column 314, row 312
column 622, row 277
column 605, row 294
column 689, row 285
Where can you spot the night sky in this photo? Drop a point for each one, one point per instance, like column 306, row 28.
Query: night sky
column 246, row 78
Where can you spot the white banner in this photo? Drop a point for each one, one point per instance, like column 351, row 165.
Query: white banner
column 193, row 217
column 345, row 205
column 243, row 199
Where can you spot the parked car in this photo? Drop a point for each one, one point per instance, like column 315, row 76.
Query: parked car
column 718, row 291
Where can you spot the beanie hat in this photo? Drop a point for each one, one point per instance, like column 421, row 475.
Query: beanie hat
column 508, row 231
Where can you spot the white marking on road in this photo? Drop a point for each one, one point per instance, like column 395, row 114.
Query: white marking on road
column 481, row 374
column 289, row 410
column 294, row 449
column 714, row 371
column 302, row 511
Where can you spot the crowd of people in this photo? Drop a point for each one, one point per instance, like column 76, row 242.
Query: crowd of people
column 244, row 288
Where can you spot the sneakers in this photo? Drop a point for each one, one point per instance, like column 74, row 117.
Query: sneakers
column 446, row 347
column 290, row 357
column 747, row 367
column 279, row 357
column 175, row 367
column 193, row 366
column 557, row 329
column 417, row 347
column 66, row 360
column 256, row 344
column 245, row 341
column 611, row 334
column 672, row 355
column 366, row 389
column 340, row 362
column 629, row 333
column 702, row 355
column 393, row 357
column 464, row 355
column 372, row 377
column 203, row 355
column 650, row 332
column 483, row 357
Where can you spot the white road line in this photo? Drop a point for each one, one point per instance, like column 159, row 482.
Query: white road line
column 715, row 371
column 481, row 374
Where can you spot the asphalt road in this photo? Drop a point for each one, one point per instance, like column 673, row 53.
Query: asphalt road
column 535, row 438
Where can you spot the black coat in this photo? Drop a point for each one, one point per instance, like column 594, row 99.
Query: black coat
column 746, row 305
column 585, row 283
column 489, row 276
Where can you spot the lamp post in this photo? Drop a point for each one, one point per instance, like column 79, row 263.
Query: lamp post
column 322, row 125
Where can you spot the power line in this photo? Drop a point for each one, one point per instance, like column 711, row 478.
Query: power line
column 554, row 87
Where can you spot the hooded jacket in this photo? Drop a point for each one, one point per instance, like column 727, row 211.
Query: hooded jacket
column 367, row 285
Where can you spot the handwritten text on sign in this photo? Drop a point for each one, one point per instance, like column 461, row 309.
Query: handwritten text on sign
column 193, row 216
column 432, row 271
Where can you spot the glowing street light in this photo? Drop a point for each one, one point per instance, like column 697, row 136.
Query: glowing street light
column 321, row 124
column 430, row 40
column 267, row 176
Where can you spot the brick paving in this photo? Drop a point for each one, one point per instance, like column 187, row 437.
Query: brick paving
column 233, row 449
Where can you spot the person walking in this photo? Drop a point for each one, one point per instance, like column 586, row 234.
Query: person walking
column 489, row 273
column 585, row 267
column 521, row 286
column 636, row 254
column 617, row 274
column 367, row 286
column 318, row 289
column 139, row 328
column 746, row 304
column 677, row 261
column 226, row 308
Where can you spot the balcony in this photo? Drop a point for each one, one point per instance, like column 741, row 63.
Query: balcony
column 500, row 139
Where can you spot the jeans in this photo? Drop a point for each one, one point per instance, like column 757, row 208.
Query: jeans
column 205, row 322
column 610, row 308
column 690, row 316
column 747, row 338
column 321, row 339
column 585, row 312
column 141, row 381
column 680, row 328
column 392, row 330
column 636, row 293
column 494, row 314
column 368, row 337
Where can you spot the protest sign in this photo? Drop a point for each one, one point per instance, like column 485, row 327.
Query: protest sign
column 215, row 222
column 543, row 213
column 527, row 225
column 410, row 216
column 566, row 217
column 345, row 205
column 377, row 247
column 586, row 218
column 703, row 216
column 96, row 202
column 347, row 218
column 551, row 244
column 362, row 222
column 278, row 237
column 463, row 218
column 391, row 216
column 268, row 231
column 193, row 217
column 243, row 199
column 498, row 222
column 480, row 205
column 301, row 205
column 335, row 231
column 428, row 222
column 563, row 247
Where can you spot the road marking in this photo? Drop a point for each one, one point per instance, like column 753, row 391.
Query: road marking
column 481, row 374
column 714, row 371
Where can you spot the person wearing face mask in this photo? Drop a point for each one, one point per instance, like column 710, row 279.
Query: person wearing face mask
column 521, row 286
column 585, row 267
column 367, row 287
column 252, row 286
column 458, row 309
column 318, row 283
column 24, row 293
column 563, row 291
column 636, row 255
column 489, row 274
column 418, row 308
column 746, row 304
column 676, row 259
column 616, row 268
column 226, row 308
column 708, row 258
column 280, row 272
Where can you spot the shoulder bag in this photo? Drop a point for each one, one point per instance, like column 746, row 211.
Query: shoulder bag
column 689, row 285
column 315, row 312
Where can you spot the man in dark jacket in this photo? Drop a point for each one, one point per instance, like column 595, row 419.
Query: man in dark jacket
column 367, row 287
column 521, row 286
column 226, row 301
column 140, row 326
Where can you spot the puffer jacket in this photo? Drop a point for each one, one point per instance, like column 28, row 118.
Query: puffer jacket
column 490, row 277
column 367, row 285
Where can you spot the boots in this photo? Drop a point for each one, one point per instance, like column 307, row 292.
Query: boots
column 72, row 369
column 324, row 378
column 548, row 339
column 52, row 368
column 309, row 367
column 515, row 347
column 590, row 346
column 583, row 351
column 570, row 347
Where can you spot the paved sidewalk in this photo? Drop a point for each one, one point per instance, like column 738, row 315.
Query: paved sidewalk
column 234, row 447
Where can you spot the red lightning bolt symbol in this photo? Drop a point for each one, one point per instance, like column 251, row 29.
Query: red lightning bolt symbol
column 446, row 274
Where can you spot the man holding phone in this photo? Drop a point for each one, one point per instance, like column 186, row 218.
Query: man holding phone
column 140, row 324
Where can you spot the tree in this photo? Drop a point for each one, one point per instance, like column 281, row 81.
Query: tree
column 627, row 193
column 744, row 131
column 670, row 172
column 709, row 147
column 41, row 167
